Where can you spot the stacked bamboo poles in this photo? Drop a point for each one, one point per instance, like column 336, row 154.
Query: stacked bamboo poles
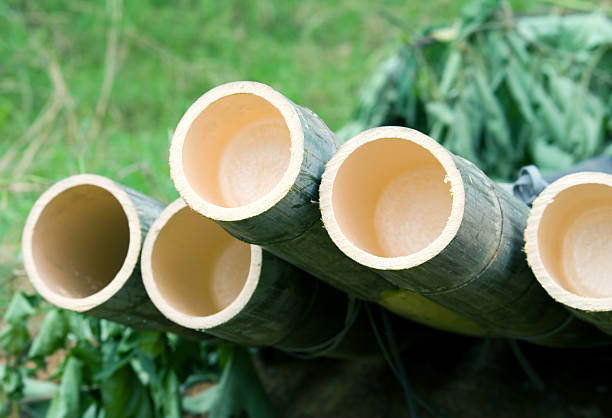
column 396, row 201
column 248, row 158
column 81, row 245
column 569, row 244
column 202, row 278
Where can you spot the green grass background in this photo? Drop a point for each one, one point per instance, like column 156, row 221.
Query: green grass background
column 99, row 86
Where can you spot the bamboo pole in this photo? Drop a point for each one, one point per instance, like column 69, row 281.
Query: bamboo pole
column 81, row 244
column 568, row 241
column 251, row 160
column 395, row 200
column 202, row 278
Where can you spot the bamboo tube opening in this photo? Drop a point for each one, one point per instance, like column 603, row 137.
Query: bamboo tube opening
column 569, row 238
column 392, row 198
column 196, row 273
column 237, row 150
column 81, row 242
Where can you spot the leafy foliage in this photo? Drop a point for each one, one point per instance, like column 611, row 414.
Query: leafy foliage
column 501, row 91
column 238, row 391
column 104, row 369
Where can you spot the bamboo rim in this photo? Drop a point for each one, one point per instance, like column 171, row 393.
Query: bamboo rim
column 161, row 299
column 412, row 138
column 535, row 249
column 183, row 181
column 43, row 282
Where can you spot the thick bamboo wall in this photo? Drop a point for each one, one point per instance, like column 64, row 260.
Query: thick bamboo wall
column 395, row 200
column 251, row 160
column 81, row 245
column 202, row 278
column 569, row 244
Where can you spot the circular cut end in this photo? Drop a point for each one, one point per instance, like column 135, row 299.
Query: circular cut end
column 81, row 242
column 569, row 240
column 197, row 274
column 392, row 198
column 237, row 151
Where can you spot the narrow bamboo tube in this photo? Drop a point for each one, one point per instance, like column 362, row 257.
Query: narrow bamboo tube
column 250, row 159
column 395, row 200
column 81, row 244
column 568, row 241
column 202, row 278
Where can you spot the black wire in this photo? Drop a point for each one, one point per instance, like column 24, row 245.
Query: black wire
column 526, row 366
column 396, row 368
column 352, row 312
column 399, row 365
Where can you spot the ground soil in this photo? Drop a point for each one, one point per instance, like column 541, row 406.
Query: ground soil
column 457, row 376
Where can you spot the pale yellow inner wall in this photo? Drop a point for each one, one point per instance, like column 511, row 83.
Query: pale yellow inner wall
column 80, row 241
column 236, row 150
column 575, row 240
column 198, row 268
column 390, row 198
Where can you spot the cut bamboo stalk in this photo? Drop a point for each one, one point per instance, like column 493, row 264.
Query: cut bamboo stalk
column 568, row 241
column 202, row 278
column 250, row 159
column 395, row 200
column 81, row 244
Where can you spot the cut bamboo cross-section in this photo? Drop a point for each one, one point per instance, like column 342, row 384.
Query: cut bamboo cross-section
column 81, row 245
column 201, row 277
column 395, row 200
column 568, row 241
column 250, row 159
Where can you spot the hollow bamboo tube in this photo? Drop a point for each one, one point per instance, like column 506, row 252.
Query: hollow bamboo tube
column 568, row 241
column 81, row 244
column 250, row 159
column 395, row 200
column 202, row 278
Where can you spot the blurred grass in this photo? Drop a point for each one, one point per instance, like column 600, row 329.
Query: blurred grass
column 99, row 86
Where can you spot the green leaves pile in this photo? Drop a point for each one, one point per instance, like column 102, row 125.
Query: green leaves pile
column 500, row 90
column 103, row 369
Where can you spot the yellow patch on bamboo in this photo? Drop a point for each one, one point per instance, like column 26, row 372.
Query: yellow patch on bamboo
column 420, row 309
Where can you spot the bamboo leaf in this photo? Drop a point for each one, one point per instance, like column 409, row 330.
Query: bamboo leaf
column 519, row 86
column 18, row 309
column 124, row 396
column 66, row 401
column 550, row 114
column 171, row 406
column 450, row 72
column 112, row 360
column 91, row 411
column 440, row 112
column 83, row 327
column 241, row 390
column 50, row 336
column 549, row 157
column 13, row 338
column 496, row 121
column 38, row 388
column 11, row 381
column 461, row 138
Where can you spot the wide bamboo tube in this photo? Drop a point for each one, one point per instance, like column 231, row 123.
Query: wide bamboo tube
column 250, row 159
column 81, row 245
column 568, row 241
column 395, row 200
column 201, row 277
